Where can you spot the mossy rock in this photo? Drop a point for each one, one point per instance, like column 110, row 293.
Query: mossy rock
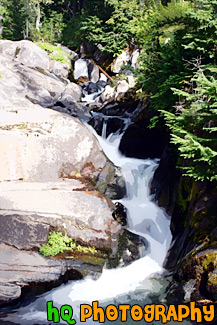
column 212, row 284
column 131, row 247
column 209, row 260
column 56, row 53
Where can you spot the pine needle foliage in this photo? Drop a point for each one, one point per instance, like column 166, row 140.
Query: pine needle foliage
column 194, row 126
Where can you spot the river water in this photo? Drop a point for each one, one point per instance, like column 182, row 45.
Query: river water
column 141, row 282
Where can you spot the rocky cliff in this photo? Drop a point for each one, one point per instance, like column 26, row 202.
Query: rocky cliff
column 192, row 258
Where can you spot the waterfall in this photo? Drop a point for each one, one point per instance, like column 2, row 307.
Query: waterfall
column 123, row 284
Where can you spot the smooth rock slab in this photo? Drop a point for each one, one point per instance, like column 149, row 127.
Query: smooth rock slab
column 29, row 210
column 22, row 268
column 25, row 52
column 42, row 144
column 31, row 55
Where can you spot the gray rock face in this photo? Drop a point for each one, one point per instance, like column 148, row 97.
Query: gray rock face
column 59, row 69
column 74, row 109
column 71, row 93
column 111, row 183
column 86, row 69
column 39, row 88
column 93, row 72
column 30, row 55
column 134, row 58
column 28, row 86
column 64, row 205
column 81, row 69
column 39, row 146
column 42, row 145
column 29, row 211
column 108, row 94
column 20, row 268
column 20, row 231
column 26, row 53
column 122, row 89
column 131, row 247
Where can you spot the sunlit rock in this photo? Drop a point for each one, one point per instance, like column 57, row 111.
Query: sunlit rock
column 122, row 59
column 81, row 69
column 134, row 58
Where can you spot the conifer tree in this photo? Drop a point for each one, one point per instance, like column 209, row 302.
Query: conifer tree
column 194, row 125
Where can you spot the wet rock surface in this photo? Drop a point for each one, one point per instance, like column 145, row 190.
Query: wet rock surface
column 164, row 185
column 130, row 248
column 120, row 214
column 192, row 256
column 111, row 183
column 29, row 269
column 142, row 142
column 29, row 211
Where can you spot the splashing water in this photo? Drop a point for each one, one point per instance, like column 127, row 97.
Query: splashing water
column 123, row 284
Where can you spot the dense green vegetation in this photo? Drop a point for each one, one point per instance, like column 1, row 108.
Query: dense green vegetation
column 177, row 66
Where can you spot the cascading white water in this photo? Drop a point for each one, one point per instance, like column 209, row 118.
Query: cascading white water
column 123, row 284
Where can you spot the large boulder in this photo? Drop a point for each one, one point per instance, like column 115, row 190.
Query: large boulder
column 26, row 53
column 31, row 55
column 29, row 86
column 121, row 89
column 41, row 144
column 81, row 69
column 71, row 93
column 59, row 69
column 50, row 164
column 108, row 93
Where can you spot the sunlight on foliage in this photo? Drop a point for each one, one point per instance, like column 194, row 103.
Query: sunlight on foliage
column 57, row 243
column 56, row 53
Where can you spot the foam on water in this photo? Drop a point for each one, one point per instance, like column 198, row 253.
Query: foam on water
column 145, row 219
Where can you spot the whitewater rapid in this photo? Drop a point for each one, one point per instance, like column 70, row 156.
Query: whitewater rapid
column 122, row 284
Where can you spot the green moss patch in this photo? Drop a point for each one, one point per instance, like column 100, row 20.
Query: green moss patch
column 57, row 243
column 55, row 53
column 210, row 259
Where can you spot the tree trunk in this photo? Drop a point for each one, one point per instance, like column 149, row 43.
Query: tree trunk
column 27, row 28
column 81, row 5
column 1, row 26
column 38, row 25
column 75, row 7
